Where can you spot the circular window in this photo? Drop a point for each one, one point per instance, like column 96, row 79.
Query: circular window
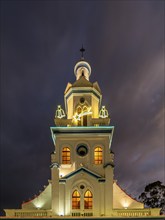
column 82, row 187
column 82, row 100
column 82, row 150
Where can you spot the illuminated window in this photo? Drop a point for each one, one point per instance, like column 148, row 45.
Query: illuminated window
column 76, row 200
column 66, row 155
column 88, row 200
column 81, row 115
column 98, row 155
column 79, row 110
column 85, row 109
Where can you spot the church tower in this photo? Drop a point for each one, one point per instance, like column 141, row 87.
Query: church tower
column 82, row 161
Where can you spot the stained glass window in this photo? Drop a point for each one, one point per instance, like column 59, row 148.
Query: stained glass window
column 76, row 200
column 66, row 155
column 88, row 198
column 98, row 155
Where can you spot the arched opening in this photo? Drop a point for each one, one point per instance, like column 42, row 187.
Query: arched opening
column 79, row 110
column 85, row 110
column 66, row 155
column 98, row 155
column 84, row 120
column 75, row 200
column 88, row 200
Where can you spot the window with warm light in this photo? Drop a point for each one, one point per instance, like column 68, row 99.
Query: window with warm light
column 98, row 155
column 66, row 155
column 79, row 110
column 85, row 109
column 88, row 199
column 76, row 200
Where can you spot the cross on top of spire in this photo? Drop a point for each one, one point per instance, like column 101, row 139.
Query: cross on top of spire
column 82, row 52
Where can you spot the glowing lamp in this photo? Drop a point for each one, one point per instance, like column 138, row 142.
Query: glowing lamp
column 103, row 112
column 59, row 112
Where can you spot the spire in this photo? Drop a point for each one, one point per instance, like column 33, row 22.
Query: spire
column 82, row 50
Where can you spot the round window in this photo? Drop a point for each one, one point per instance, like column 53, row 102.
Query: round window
column 82, row 187
column 82, row 100
column 82, row 150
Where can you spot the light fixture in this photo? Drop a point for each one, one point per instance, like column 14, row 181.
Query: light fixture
column 103, row 112
column 59, row 112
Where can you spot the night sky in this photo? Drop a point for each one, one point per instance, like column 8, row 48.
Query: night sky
column 40, row 42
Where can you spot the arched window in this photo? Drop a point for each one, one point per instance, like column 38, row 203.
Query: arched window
column 98, row 155
column 79, row 110
column 85, row 110
column 76, row 200
column 88, row 199
column 66, row 155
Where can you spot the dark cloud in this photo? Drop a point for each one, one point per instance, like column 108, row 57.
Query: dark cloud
column 39, row 43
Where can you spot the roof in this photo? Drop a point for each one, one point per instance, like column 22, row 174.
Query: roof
column 82, row 82
column 81, row 169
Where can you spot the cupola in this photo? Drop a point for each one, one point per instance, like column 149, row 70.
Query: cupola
column 82, row 68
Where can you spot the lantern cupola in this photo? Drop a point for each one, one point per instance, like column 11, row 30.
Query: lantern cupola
column 82, row 68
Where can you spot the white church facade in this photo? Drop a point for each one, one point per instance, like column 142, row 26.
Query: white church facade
column 82, row 164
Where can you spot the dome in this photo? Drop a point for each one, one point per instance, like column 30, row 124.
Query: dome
column 82, row 68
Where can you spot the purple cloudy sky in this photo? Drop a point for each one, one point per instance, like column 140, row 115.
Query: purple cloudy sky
column 40, row 42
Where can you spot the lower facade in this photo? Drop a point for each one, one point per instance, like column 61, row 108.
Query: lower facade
column 82, row 203
column 19, row 213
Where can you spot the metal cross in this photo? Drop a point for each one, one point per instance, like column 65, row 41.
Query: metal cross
column 82, row 51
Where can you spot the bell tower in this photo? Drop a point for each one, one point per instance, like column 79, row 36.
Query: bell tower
column 82, row 161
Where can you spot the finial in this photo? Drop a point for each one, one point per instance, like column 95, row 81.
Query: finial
column 82, row 51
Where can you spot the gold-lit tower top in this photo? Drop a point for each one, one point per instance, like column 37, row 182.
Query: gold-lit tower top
column 82, row 100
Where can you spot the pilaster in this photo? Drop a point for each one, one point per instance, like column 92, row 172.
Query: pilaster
column 108, row 190
column 55, row 189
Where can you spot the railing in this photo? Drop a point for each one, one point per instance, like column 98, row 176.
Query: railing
column 133, row 213
column 31, row 214
column 76, row 214
column 82, row 214
column 88, row 214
